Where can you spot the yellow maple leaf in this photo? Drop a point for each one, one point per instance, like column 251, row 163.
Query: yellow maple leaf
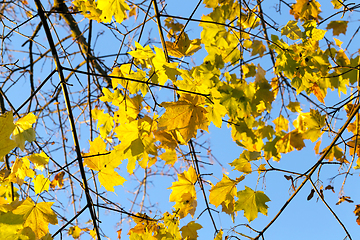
column 144, row 224
column 6, row 128
column 184, row 46
column 216, row 112
column 105, row 121
column 88, row 9
column 185, row 184
column 24, row 131
column 105, row 162
column 169, row 156
column 306, row 10
column 186, row 116
column 186, row 205
column 110, row 8
column 129, row 108
column 226, row 186
column 37, row 216
column 281, row 123
column 188, row 231
column 41, row 184
column 20, row 170
column 39, row 160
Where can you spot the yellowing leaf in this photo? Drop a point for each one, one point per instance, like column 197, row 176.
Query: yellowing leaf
column 142, row 53
column 219, row 235
column 24, row 131
column 167, row 139
column 37, row 216
column 110, row 8
column 39, row 160
column 169, row 156
column 219, row 192
column 297, row 140
column 6, row 128
column 186, row 116
column 281, row 123
column 75, row 232
column 242, row 163
column 215, row 113
column 318, row 93
column 338, row 27
column 306, row 10
column 189, row 231
column 184, row 46
column 58, row 180
column 258, row 48
column 105, row 121
column 144, row 224
column 20, row 170
column 337, row 3
column 99, row 159
column 294, row 107
column 185, row 184
column 251, row 202
column 186, row 205
column 291, row 30
column 88, row 9
column 41, row 184
column 338, row 42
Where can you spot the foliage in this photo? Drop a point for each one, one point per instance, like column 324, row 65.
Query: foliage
column 145, row 109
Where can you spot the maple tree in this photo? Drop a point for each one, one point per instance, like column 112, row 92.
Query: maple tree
column 94, row 117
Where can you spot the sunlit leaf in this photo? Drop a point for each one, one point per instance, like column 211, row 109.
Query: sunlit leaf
column 251, row 202
column 6, row 128
column 37, row 216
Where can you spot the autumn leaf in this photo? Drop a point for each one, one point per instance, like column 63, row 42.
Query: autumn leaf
column 37, row 216
column 226, row 186
column 189, row 231
column 142, row 52
column 20, row 170
column 292, row 30
column 184, row 46
column 23, row 130
column 58, row 180
column 41, row 184
column 6, row 128
column 242, row 163
column 357, row 213
column 306, row 10
column 338, row 27
column 169, row 156
column 186, row 205
column 186, row 116
column 88, row 9
column 110, row 8
column 105, row 162
column 251, row 202
column 105, row 122
column 281, row 123
column 75, row 232
column 219, row 235
column 185, row 184
column 39, row 160
column 258, row 48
